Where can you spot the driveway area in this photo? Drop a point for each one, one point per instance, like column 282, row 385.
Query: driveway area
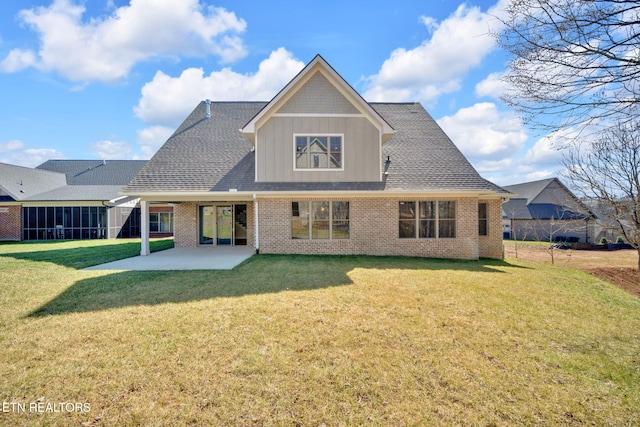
column 201, row 258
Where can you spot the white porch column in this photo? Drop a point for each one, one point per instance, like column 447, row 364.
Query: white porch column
column 255, row 215
column 144, row 227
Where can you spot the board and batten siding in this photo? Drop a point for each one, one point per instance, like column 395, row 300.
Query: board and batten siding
column 275, row 149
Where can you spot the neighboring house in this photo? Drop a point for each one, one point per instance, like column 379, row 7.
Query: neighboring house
column 546, row 210
column 318, row 170
column 609, row 226
column 72, row 199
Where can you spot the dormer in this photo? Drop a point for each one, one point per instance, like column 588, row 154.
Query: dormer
column 318, row 128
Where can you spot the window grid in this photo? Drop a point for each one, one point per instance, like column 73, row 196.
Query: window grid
column 320, row 220
column 64, row 223
column 427, row 219
column 161, row 222
column 318, row 152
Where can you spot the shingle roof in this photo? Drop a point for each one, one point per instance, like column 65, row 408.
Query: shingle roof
column 79, row 193
column 200, row 152
column 95, row 172
column 422, row 155
column 529, row 190
column 67, row 180
column 212, row 155
column 21, row 182
column 523, row 206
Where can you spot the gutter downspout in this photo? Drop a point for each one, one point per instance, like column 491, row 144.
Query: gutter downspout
column 257, row 227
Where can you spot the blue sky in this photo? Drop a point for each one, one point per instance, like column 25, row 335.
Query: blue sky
column 111, row 79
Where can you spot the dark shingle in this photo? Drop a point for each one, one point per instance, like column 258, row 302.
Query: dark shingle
column 212, row 155
column 95, row 172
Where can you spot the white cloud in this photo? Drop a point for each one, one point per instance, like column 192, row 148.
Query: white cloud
column 520, row 174
column 492, row 86
column 482, row 132
column 544, row 152
column 14, row 153
column 11, row 146
column 112, row 150
column 167, row 100
column 495, row 143
column 438, row 65
column 540, row 161
column 106, row 48
column 17, row 60
column 152, row 138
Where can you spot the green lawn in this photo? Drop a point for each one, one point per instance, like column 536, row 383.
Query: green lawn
column 303, row 340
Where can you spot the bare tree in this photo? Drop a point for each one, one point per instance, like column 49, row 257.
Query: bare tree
column 513, row 212
column 607, row 171
column 551, row 231
column 575, row 63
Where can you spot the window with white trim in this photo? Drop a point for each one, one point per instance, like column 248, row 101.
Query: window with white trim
column 427, row 219
column 161, row 222
column 318, row 151
column 312, row 220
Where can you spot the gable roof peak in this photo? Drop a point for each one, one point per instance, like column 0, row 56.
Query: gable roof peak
column 317, row 64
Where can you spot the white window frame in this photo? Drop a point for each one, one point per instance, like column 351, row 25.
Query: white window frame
column 158, row 222
column 319, row 134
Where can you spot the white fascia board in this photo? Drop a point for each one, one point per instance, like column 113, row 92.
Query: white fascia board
column 182, row 196
column 249, row 195
column 63, row 203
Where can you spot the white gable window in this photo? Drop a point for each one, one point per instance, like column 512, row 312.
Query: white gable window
column 318, row 152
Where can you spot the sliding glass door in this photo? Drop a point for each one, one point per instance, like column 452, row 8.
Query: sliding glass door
column 222, row 224
column 207, row 225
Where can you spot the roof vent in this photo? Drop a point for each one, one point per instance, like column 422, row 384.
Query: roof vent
column 208, row 114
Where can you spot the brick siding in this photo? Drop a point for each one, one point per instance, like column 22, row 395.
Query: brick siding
column 491, row 245
column 11, row 222
column 185, row 225
column 374, row 231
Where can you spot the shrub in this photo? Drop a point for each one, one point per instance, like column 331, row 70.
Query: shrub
column 604, row 241
column 620, row 239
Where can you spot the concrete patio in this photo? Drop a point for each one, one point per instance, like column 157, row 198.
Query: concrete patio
column 200, row 258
